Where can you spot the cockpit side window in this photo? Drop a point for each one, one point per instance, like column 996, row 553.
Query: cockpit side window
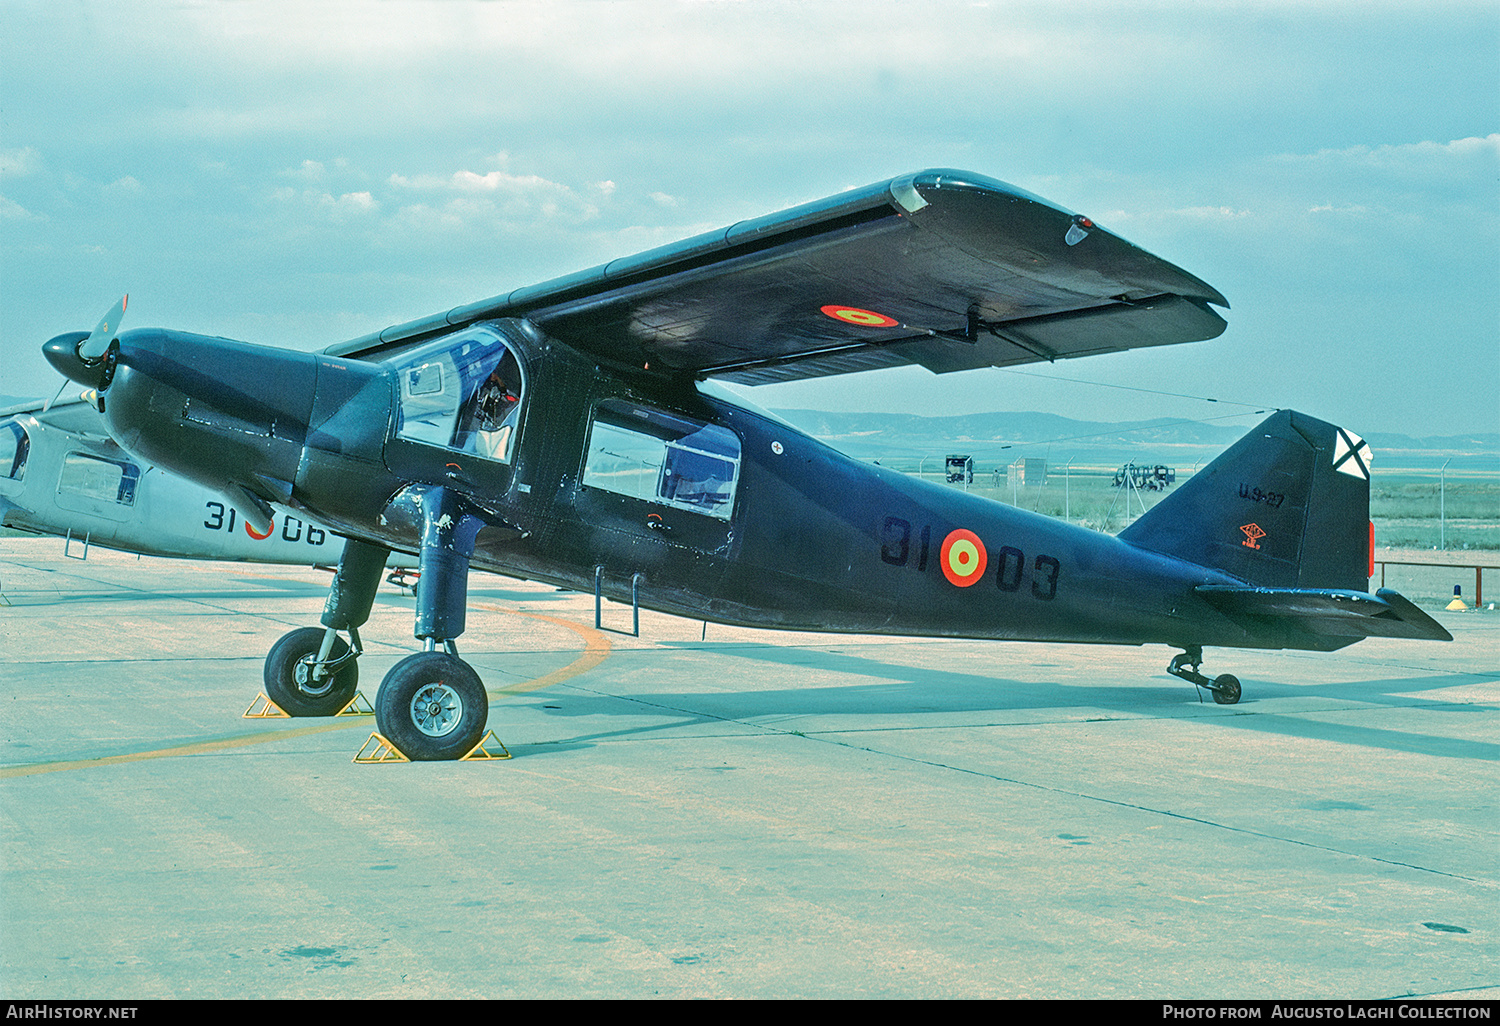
column 15, row 447
column 462, row 393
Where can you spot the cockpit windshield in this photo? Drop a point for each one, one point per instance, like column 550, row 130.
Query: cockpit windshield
column 15, row 446
column 463, row 393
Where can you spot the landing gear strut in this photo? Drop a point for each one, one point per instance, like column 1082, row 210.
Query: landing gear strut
column 432, row 705
column 1225, row 688
column 312, row 671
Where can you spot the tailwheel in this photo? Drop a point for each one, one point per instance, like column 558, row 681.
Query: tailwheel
column 304, row 680
column 432, row 706
column 1226, row 689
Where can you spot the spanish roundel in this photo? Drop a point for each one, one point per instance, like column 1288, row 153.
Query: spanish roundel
column 252, row 532
column 963, row 558
column 863, row 318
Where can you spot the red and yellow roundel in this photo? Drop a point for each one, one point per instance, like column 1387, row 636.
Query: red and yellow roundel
column 252, row 532
column 863, row 318
column 963, row 558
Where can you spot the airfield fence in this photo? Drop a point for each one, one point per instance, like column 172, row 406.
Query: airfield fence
column 1434, row 581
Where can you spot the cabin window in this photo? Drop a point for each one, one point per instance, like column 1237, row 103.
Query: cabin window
column 462, row 393
column 97, row 478
column 15, row 446
column 660, row 457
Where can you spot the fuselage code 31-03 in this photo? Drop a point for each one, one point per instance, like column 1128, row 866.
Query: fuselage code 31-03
column 963, row 558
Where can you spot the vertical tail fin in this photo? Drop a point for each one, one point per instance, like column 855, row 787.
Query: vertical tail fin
column 1287, row 506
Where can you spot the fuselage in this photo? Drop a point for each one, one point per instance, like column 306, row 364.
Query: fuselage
column 761, row 525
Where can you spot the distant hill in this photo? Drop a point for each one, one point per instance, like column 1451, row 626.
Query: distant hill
column 1003, row 437
column 1011, row 428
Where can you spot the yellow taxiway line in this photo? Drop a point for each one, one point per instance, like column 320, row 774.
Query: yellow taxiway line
column 595, row 651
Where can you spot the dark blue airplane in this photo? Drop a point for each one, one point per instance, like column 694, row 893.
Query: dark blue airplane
column 569, row 433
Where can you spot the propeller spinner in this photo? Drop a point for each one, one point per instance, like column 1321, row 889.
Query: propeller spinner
column 81, row 357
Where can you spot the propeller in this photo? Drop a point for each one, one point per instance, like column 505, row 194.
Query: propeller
column 97, row 344
column 85, row 358
column 61, row 389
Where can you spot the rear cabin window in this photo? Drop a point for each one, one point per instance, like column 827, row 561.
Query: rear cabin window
column 98, row 478
column 660, row 457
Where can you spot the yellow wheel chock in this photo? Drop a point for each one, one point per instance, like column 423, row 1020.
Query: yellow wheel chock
column 378, row 748
column 480, row 752
column 263, row 709
column 359, row 705
column 383, row 751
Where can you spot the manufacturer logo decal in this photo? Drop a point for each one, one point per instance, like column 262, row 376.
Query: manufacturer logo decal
column 863, row 318
column 1351, row 455
column 963, row 558
column 1253, row 535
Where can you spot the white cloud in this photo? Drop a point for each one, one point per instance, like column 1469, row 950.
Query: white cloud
column 356, row 201
column 312, row 170
column 15, row 163
column 498, row 195
column 326, row 202
column 1200, row 214
column 1458, row 157
column 1209, row 213
column 13, row 211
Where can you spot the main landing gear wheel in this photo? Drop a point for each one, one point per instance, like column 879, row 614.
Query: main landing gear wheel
column 294, row 686
column 1226, row 689
column 432, row 706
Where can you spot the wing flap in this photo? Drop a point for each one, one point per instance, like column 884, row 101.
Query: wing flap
column 1333, row 613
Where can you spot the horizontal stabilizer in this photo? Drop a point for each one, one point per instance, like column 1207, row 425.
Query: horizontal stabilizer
column 1331, row 612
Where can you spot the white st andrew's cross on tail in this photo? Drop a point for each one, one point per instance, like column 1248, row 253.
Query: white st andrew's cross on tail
column 1351, row 455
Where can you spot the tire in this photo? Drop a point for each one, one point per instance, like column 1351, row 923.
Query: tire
column 289, row 681
column 1226, row 689
column 432, row 706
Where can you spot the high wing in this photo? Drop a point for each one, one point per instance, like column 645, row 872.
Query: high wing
column 73, row 415
column 943, row 269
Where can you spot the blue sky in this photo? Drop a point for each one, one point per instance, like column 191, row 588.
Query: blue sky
column 301, row 173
